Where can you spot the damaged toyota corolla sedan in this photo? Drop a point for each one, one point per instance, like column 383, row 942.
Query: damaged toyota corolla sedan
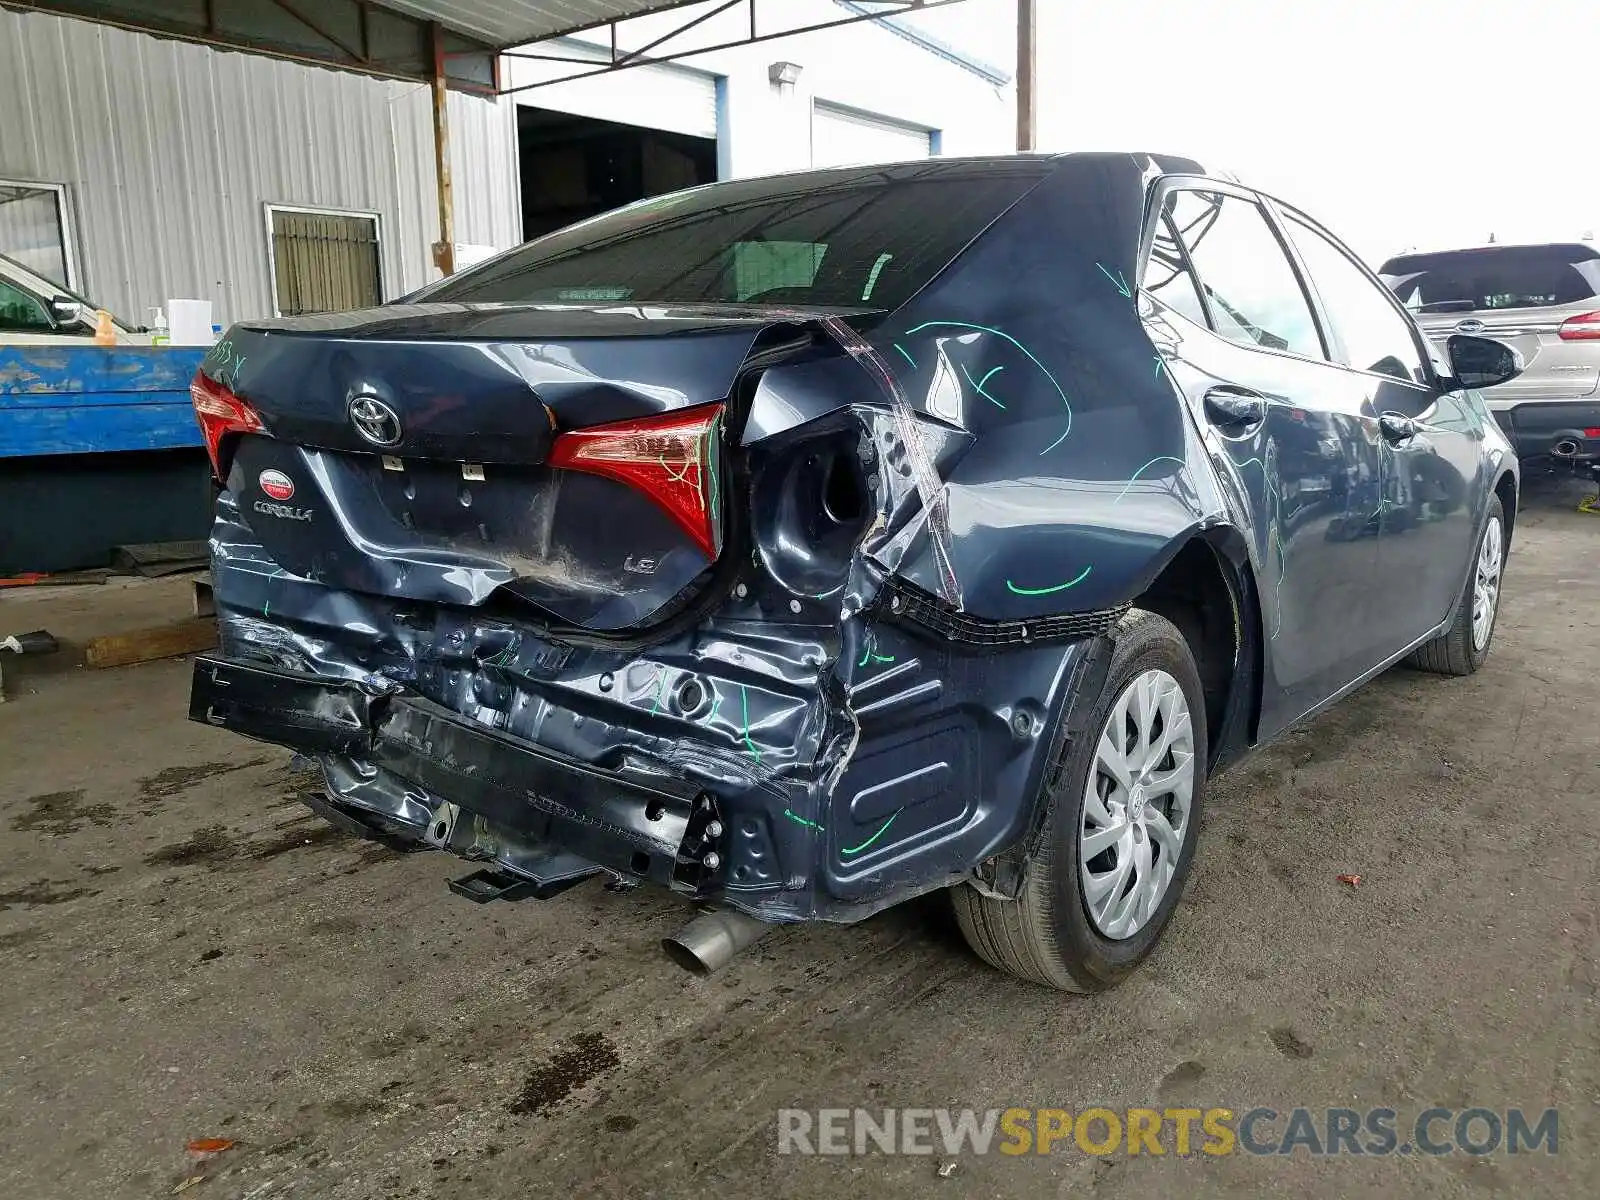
column 807, row 544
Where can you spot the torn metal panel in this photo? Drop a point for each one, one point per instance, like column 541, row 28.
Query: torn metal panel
column 929, row 519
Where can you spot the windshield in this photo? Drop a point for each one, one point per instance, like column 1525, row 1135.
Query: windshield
column 840, row 239
column 1495, row 277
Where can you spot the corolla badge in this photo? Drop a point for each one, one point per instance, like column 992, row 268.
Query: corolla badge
column 276, row 484
column 375, row 421
column 1470, row 325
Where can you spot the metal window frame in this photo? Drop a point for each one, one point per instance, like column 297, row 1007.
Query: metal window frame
column 1156, row 202
column 622, row 60
column 268, row 207
column 64, row 219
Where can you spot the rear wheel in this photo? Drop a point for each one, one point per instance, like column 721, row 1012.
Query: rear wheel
column 1123, row 816
column 1462, row 649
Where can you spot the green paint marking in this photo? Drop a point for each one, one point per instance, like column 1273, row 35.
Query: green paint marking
column 1135, row 477
column 267, row 611
column 1117, row 281
column 1160, row 366
column 1028, row 354
column 883, row 830
column 711, row 471
column 905, row 354
column 661, row 678
column 744, row 701
column 799, row 820
column 869, row 652
column 1049, row 591
column 977, row 384
column 716, row 703
column 877, row 269
column 1277, row 588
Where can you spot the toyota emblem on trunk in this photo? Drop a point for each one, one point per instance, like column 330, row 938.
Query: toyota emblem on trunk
column 375, row 421
column 1470, row 325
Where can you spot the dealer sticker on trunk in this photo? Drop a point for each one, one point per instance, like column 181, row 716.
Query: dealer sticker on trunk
column 276, row 485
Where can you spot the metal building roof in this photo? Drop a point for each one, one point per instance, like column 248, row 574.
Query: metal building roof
column 504, row 23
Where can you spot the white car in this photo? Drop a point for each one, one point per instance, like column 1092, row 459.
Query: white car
column 35, row 311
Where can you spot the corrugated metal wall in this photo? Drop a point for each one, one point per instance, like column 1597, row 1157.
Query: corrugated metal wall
column 170, row 150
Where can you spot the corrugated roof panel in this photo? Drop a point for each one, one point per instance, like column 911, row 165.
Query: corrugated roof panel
column 513, row 22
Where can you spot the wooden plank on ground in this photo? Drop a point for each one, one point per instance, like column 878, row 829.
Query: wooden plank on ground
column 146, row 645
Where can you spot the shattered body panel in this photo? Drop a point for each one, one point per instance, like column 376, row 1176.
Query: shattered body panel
column 829, row 716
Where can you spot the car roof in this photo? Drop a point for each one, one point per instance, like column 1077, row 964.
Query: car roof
column 1568, row 245
column 1037, row 164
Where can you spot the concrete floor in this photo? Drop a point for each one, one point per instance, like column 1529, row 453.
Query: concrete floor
column 187, row 953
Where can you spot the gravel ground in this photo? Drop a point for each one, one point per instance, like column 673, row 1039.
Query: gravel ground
column 189, row 954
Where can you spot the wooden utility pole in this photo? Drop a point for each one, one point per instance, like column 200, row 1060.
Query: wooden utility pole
column 444, row 250
column 1027, row 74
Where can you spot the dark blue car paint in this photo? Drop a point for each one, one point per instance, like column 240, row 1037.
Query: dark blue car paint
column 869, row 732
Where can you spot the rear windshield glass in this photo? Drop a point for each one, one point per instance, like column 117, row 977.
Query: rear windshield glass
column 1495, row 277
column 856, row 240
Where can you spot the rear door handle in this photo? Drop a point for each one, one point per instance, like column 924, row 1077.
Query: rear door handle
column 1396, row 427
column 1234, row 410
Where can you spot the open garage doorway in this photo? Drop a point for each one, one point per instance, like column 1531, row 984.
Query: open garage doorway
column 575, row 167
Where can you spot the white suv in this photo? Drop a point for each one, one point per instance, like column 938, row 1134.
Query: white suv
column 1544, row 301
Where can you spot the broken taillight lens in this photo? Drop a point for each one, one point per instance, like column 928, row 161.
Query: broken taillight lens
column 220, row 413
column 671, row 458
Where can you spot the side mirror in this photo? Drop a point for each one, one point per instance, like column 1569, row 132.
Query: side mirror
column 1479, row 362
column 67, row 312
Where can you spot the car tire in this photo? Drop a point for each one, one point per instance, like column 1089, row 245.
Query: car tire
column 1462, row 648
column 1052, row 934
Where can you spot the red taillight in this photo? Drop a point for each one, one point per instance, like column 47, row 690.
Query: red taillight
column 1593, row 432
column 671, row 458
column 220, row 413
column 1585, row 327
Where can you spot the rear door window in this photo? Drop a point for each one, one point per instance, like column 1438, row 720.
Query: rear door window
column 1494, row 277
column 1251, row 288
column 1370, row 331
column 847, row 240
column 1167, row 276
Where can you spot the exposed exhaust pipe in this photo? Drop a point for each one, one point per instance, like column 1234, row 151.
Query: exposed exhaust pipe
column 709, row 942
column 1565, row 448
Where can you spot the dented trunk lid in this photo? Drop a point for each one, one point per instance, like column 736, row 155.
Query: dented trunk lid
column 406, row 450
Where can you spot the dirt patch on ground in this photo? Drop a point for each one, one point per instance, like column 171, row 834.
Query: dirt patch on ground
column 43, row 892
column 210, row 845
column 58, row 814
column 570, row 1068
column 173, row 780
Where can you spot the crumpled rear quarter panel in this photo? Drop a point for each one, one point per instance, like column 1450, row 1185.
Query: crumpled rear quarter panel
column 876, row 725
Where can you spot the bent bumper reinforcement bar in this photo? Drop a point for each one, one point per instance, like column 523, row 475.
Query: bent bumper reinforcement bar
column 634, row 822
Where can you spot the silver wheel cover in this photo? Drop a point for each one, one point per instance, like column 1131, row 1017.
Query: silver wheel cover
column 1486, row 584
column 1137, row 805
